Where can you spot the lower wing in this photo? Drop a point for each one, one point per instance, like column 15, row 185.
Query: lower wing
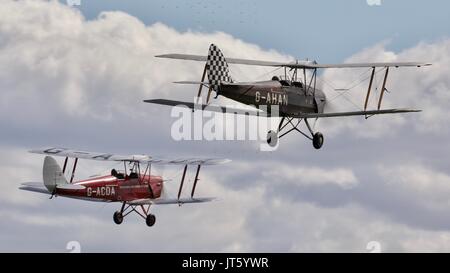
column 356, row 113
column 257, row 112
column 170, row 201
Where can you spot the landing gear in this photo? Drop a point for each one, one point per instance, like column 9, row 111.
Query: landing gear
column 127, row 209
column 316, row 138
column 150, row 220
column 118, row 217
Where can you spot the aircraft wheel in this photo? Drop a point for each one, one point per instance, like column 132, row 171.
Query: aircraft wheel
column 118, row 217
column 150, row 221
column 318, row 140
column 272, row 138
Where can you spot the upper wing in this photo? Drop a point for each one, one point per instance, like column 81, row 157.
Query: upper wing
column 297, row 64
column 131, row 158
column 162, row 201
column 364, row 65
column 356, row 113
column 229, row 60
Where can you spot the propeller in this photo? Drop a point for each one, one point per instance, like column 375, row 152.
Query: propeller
column 162, row 171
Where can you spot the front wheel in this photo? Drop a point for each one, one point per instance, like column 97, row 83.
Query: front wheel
column 318, row 140
column 118, row 217
column 150, row 220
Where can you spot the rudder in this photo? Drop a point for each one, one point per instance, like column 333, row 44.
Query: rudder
column 218, row 71
column 52, row 174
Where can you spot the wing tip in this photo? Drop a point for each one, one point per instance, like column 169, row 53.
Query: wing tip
column 38, row 150
column 408, row 110
column 224, row 161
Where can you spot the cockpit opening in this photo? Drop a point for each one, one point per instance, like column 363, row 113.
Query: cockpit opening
column 282, row 81
column 117, row 174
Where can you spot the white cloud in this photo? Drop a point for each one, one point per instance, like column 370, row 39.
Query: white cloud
column 298, row 175
column 429, row 187
column 52, row 56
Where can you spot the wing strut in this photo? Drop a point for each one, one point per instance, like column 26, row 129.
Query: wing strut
column 209, row 95
column 182, row 181
column 370, row 88
column 195, row 181
column 73, row 170
column 201, row 85
column 383, row 88
column 65, row 164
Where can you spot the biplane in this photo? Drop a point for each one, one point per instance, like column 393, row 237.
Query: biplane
column 295, row 93
column 136, row 190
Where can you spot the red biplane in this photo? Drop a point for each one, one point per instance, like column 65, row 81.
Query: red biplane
column 134, row 189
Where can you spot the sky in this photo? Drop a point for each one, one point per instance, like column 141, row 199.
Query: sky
column 328, row 31
column 76, row 77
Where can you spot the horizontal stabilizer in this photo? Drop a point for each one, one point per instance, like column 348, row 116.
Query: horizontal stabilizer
column 34, row 187
column 191, row 82
column 70, row 187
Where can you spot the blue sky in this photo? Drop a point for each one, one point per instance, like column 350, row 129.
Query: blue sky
column 328, row 31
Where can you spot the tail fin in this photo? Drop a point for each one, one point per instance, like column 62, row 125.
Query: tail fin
column 217, row 68
column 52, row 174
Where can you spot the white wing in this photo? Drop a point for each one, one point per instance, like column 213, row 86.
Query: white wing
column 170, row 201
column 257, row 112
column 64, row 152
column 296, row 64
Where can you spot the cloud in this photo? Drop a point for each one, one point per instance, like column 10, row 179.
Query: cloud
column 432, row 187
column 423, row 88
column 344, row 178
column 96, row 68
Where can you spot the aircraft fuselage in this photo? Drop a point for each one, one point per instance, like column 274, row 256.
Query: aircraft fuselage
column 291, row 99
column 111, row 188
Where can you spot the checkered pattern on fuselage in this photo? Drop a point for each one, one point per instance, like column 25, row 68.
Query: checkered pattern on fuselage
column 217, row 68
